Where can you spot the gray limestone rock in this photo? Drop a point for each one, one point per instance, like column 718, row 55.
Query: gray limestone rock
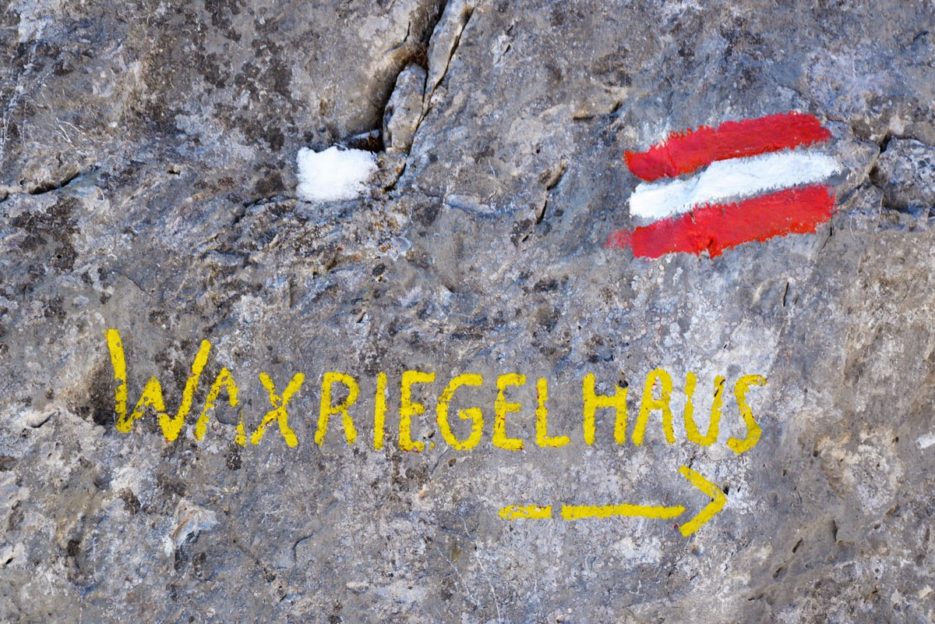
column 404, row 109
column 148, row 186
column 906, row 173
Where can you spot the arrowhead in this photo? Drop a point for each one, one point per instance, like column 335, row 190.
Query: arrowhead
column 711, row 509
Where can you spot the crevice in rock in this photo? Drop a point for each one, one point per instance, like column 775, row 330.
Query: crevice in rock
column 540, row 214
column 452, row 28
column 295, row 546
column 41, row 188
column 885, row 142
column 409, row 51
column 266, row 199
column 440, row 32
column 588, row 115
column 875, row 178
column 550, row 178
column 54, row 185
column 370, row 141
column 391, row 184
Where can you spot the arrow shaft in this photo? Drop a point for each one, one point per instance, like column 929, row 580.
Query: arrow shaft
column 526, row 512
column 655, row 512
column 625, row 510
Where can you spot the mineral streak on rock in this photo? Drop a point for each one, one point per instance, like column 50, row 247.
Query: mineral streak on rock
column 148, row 184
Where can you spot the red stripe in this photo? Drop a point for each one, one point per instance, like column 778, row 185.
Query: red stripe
column 722, row 226
column 684, row 152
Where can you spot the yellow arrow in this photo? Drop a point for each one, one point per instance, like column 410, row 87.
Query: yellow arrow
column 711, row 509
column 582, row 512
column 656, row 512
column 525, row 512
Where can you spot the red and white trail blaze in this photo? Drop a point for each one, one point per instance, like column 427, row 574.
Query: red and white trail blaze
column 753, row 184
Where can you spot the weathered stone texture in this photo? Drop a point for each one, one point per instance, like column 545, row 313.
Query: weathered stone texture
column 147, row 184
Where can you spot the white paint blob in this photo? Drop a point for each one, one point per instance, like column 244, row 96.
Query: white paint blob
column 736, row 178
column 333, row 174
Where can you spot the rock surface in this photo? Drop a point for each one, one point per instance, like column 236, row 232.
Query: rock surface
column 148, row 185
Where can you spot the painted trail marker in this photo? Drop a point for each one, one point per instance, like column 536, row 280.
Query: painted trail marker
column 654, row 406
column 627, row 510
column 750, row 180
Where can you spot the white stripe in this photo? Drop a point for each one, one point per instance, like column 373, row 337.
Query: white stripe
column 736, row 178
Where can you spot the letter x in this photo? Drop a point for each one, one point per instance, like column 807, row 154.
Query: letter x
column 278, row 413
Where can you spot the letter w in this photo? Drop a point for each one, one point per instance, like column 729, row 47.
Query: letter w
column 152, row 392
